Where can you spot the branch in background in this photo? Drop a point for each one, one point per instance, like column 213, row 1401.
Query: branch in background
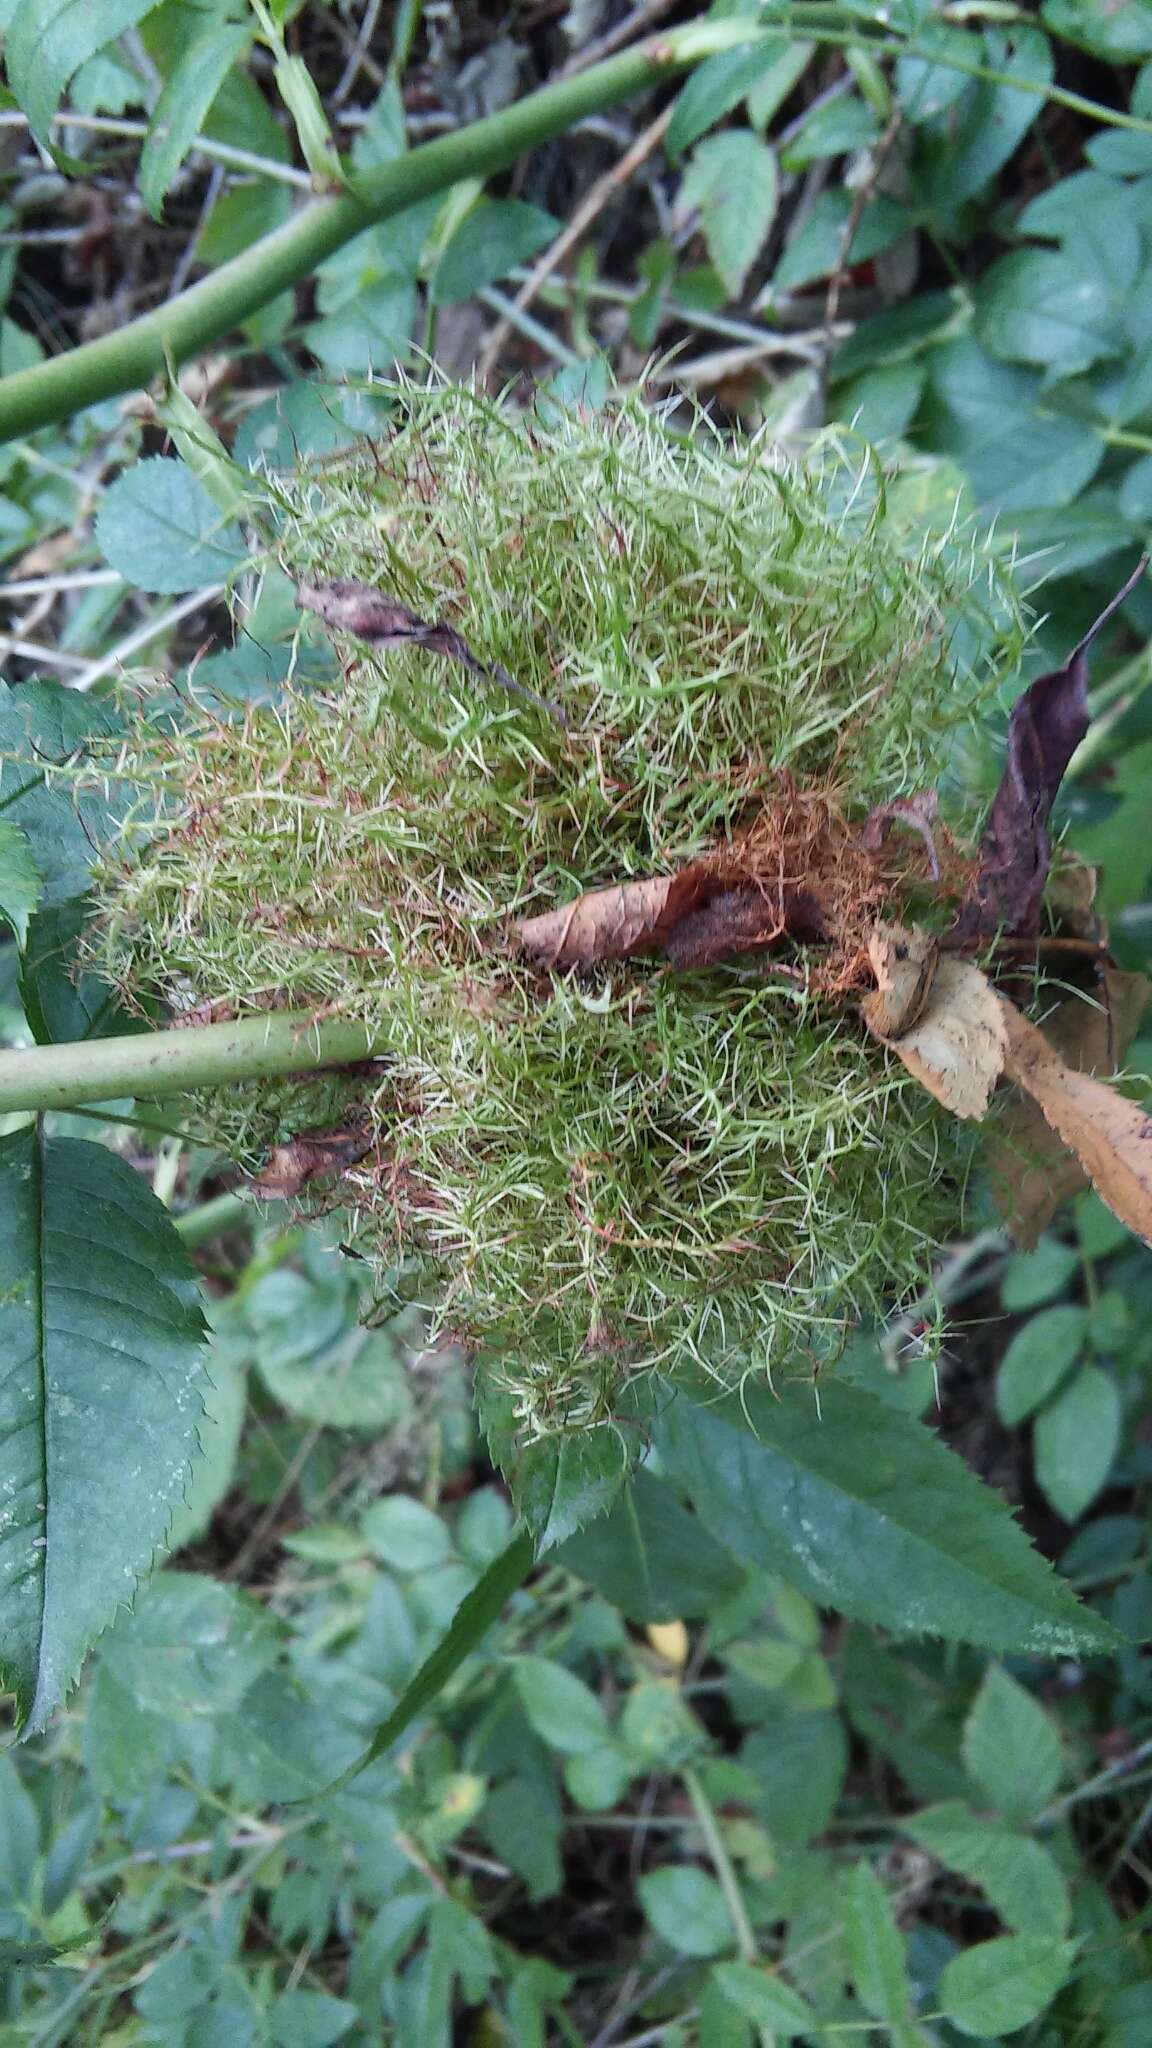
column 120, row 362
column 589, row 210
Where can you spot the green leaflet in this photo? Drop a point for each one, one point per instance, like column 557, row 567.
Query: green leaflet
column 1075, row 1440
column 19, row 880
column 865, row 1510
column 767, row 2001
column 1012, row 1747
column 1040, row 1355
column 733, row 182
column 876, row 1947
column 687, row 1909
column 161, row 529
column 183, row 106
column 1000, row 1985
column 564, row 1712
column 1018, row 1875
column 488, row 243
column 49, row 736
column 101, row 1334
column 62, row 1003
column 49, row 40
column 474, row 1616
column 562, row 1483
column 722, row 82
column 650, row 1557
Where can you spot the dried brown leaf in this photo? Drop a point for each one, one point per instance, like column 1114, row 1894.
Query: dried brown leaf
column 611, row 924
column 904, row 962
column 309, row 1156
column 743, row 920
column 956, row 1049
column 1032, row 1170
column 1111, row 1136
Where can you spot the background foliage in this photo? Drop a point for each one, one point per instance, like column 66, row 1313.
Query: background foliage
column 670, row 1796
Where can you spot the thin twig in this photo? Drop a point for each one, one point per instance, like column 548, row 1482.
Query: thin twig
column 589, row 210
column 31, row 650
column 135, row 131
column 107, row 665
column 635, row 24
column 258, row 1536
column 722, row 362
column 806, row 343
column 533, row 330
column 722, row 1864
column 954, row 1269
column 188, row 259
column 72, row 579
column 863, row 194
column 1116, row 1774
column 357, row 55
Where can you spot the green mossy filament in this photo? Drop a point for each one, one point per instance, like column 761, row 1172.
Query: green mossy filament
column 609, row 1171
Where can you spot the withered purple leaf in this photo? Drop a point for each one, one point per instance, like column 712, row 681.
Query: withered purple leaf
column 1047, row 725
column 371, row 615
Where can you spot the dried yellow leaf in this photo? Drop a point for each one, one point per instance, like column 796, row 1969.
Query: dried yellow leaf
column 669, row 1639
column 955, row 1048
column 1111, row 1136
column 904, row 962
column 1032, row 1170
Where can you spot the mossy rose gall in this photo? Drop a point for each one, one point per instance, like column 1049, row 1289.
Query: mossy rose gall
column 677, row 650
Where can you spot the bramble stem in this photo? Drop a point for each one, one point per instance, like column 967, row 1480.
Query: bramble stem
column 155, row 1064
column 197, row 318
column 200, row 1226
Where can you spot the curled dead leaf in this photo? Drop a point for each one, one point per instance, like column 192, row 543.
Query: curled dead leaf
column 1046, row 727
column 1110, row 1136
column 966, row 1034
column 940, row 1016
column 309, row 1156
column 904, row 962
column 956, row 1049
column 689, row 916
column 1032, row 1170
column 744, row 920
column 611, row 924
column 371, row 615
